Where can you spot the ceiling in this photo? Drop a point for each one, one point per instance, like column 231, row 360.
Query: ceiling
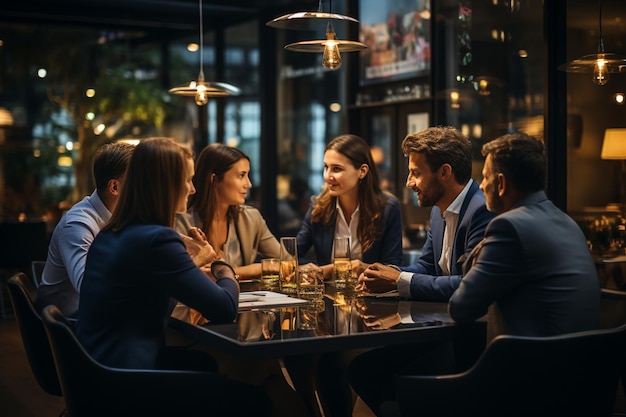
column 182, row 14
column 142, row 14
column 171, row 17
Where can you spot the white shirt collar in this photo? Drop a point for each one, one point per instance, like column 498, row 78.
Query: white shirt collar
column 457, row 203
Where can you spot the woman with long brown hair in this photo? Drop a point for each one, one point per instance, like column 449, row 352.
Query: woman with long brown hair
column 237, row 232
column 352, row 204
column 138, row 265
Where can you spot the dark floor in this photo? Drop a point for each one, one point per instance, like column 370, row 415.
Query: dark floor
column 20, row 396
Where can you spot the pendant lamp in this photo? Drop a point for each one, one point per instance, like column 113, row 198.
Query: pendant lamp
column 600, row 64
column 200, row 89
column 331, row 47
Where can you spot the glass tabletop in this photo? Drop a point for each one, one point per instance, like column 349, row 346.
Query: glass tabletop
column 337, row 322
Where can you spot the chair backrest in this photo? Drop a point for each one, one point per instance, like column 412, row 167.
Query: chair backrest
column 613, row 314
column 575, row 374
column 92, row 389
column 612, row 308
column 21, row 243
column 34, row 337
column 36, row 270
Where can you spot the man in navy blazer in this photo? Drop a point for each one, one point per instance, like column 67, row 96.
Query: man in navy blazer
column 440, row 167
column 533, row 272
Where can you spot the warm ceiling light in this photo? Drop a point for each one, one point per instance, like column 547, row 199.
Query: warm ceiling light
column 64, row 161
column 600, row 64
column 202, row 90
column 331, row 47
column 309, row 20
column 619, row 98
column 6, row 117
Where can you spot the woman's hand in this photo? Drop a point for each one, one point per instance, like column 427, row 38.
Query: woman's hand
column 198, row 247
column 358, row 267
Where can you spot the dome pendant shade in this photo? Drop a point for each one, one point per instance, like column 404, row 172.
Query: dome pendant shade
column 319, row 45
column 201, row 87
column 202, row 90
column 330, row 47
column 600, row 64
column 308, row 20
column 612, row 62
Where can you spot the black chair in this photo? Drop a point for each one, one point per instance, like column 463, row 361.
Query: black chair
column 575, row 374
column 36, row 270
column 93, row 390
column 612, row 308
column 20, row 244
column 34, row 337
column 613, row 314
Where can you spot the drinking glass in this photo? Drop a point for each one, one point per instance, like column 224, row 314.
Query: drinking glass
column 270, row 268
column 343, row 268
column 307, row 318
column 288, row 265
column 310, row 285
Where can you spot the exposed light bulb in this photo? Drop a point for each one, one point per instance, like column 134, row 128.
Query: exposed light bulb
column 600, row 72
column 331, row 58
column 202, row 97
column 483, row 87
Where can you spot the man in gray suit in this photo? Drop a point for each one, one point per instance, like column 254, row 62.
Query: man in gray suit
column 533, row 266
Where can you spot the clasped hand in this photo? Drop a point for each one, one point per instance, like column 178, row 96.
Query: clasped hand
column 199, row 248
column 379, row 278
column 378, row 315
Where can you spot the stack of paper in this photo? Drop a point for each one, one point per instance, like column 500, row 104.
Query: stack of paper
column 265, row 299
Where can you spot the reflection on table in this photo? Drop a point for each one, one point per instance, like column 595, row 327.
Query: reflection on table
column 339, row 322
column 298, row 335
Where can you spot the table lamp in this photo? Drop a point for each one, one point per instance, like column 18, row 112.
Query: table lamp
column 614, row 147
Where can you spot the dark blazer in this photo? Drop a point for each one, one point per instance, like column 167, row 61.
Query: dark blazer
column 428, row 282
column 132, row 278
column 386, row 249
column 534, row 263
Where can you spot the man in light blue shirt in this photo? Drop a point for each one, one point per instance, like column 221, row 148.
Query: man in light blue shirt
column 73, row 235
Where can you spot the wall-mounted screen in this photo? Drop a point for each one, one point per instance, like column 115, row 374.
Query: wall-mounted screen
column 397, row 35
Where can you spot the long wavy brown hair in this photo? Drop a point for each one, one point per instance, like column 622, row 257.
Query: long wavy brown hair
column 371, row 199
column 215, row 159
column 154, row 182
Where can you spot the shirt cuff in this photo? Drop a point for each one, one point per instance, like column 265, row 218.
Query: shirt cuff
column 404, row 284
column 404, row 311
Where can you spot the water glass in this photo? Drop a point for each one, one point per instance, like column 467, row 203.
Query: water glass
column 270, row 268
column 341, row 261
column 288, row 266
column 310, row 285
column 307, row 318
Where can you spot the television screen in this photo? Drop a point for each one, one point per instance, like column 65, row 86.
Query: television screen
column 397, row 35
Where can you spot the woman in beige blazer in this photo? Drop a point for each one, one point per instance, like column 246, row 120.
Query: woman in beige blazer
column 237, row 232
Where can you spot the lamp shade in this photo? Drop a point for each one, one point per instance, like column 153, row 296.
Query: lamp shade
column 614, row 144
column 308, row 20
